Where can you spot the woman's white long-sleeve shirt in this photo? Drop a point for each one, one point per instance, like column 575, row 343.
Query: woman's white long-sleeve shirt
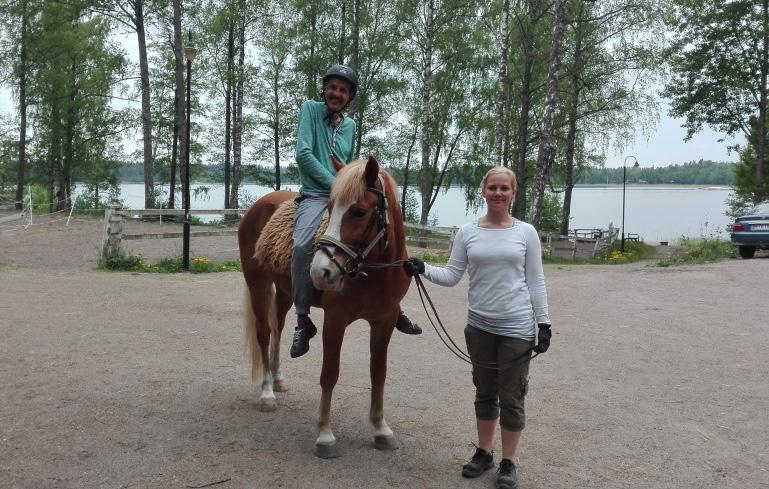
column 507, row 294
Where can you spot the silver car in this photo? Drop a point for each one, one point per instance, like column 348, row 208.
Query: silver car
column 751, row 231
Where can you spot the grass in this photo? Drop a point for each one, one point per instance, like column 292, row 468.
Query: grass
column 432, row 258
column 700, row 250
column 122, row 262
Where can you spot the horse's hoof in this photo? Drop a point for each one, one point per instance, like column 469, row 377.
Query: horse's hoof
column 382, row 442
column 266, row 405
column 325, row 450
column 279, row 386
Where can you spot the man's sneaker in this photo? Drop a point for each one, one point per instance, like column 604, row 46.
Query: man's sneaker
column 404, row 325
column 480, row 463
column 506, row 476
column 305, row 330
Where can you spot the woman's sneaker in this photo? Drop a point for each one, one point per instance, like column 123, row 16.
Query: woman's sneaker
column 506, row 476
column 480, row 463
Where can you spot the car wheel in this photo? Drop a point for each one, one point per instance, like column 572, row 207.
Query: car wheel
column 747, row 251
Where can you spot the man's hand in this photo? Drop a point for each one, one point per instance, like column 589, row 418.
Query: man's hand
column 543, row 338
column 414, row 266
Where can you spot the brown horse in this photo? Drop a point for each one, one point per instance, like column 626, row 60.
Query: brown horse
column 357, row 270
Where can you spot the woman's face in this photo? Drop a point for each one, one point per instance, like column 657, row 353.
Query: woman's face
column 498, row 192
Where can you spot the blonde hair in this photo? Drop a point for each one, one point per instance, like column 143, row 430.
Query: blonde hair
column 500, row 170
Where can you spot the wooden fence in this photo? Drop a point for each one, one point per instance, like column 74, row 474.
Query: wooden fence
column 431, row 237
column 580, row 243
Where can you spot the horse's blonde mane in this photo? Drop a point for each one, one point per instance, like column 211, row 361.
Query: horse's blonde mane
column 350, row 187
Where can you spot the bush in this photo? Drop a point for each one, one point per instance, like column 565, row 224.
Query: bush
column 119, row 261
column 700, row 250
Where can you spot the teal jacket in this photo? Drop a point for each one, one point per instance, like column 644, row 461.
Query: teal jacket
column 314, row 138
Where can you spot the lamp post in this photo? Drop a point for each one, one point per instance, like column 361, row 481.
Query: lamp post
column 624, row 180
column 189, row 52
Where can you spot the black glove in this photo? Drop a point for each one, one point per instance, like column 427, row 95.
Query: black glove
column 543, row 337
column 414, row 266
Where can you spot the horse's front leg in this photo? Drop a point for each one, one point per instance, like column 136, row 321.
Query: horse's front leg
column 333, row 333
column 381, row 331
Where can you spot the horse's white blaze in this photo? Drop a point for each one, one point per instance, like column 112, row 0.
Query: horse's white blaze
column 324, row 273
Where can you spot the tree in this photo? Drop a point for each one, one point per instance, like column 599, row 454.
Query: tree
column 546, row 146
column 133, row 14
column 719, row 61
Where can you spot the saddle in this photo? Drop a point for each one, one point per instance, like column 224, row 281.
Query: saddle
column 276, row 241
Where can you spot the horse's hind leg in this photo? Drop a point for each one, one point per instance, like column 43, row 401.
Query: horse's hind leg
column 283, row 304
column 380, row 339
column 261, row 323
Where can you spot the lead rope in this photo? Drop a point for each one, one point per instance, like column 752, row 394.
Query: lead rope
column 454, row 348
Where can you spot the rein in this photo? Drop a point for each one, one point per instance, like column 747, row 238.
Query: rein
column 453, row 347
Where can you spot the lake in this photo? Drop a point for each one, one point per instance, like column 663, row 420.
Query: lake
column 656, row 213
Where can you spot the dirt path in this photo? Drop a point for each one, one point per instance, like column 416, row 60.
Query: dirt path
column 656, row 379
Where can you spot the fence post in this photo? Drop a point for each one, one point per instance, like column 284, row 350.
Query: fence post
column 113, row 231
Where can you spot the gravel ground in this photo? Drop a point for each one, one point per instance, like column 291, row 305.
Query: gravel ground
column 657, row 378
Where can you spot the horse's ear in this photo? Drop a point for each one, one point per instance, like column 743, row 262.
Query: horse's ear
column 338, row 165
column 372, row 171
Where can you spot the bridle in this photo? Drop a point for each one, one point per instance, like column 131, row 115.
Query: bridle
column 355, row 257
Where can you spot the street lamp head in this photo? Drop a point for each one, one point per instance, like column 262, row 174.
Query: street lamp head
column 190, row 51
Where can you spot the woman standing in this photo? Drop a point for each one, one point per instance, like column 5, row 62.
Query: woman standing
column 507, row 304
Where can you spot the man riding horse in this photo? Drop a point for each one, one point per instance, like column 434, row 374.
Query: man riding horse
column 324, row 132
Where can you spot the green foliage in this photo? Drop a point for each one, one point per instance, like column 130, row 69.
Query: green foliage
column 432, row 258
column 719, row 75
column 748, row 190
column 704, row 249
column 702, row 172
column 119, row 261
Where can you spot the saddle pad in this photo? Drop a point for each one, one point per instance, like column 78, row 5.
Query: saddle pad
column 273, row 248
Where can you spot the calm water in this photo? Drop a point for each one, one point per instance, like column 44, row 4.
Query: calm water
column 656, row 213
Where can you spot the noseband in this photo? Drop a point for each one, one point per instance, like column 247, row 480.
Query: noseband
column 356, row 257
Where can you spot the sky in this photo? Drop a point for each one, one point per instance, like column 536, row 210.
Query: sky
column 666, row 145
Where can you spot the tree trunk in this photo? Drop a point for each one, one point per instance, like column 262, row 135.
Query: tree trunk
column 340, row 55
column 228, row 108
column 22, row 73
column 546, row 146
column 237, row 131
column 69, row 137
column 355, row 65
column 276, row 123
column 504, row 41
column 406, row 170
column 519, row 206
column 426, row 180
column 144, row 72
column 181, row 120
column 576, row 76
column 761, row 153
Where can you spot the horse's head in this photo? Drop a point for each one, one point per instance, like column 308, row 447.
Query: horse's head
column 359, row 215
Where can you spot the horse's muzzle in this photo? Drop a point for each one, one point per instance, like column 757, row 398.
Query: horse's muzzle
column 324, row 273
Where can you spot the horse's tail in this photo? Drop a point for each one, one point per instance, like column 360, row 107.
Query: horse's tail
column 265, row 327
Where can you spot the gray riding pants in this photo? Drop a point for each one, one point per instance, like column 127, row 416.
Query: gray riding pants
column 306, row 223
